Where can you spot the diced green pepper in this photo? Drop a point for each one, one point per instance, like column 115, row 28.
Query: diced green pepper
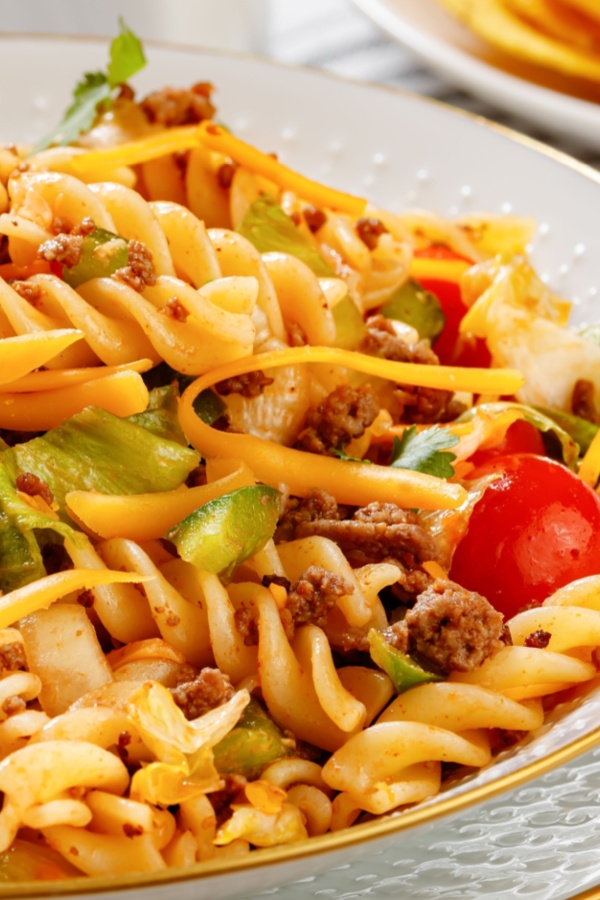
column 224, row 532
column 350, row 328
column 404, row 671
column 417, row 307
column 252, row 745
column 103, row 252
column 209, row 406
column 580, row 430
column 96, row 451
column 270, row 229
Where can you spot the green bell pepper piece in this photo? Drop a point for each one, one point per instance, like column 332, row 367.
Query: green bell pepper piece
column 254, row 743
column 225, row 531
column 404, row 671
column 417, row 307
column 103, row 252
column 350, row 328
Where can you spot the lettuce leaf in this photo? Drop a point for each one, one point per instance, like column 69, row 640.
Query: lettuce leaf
column 20, row 555
column 270, row 229
column 568, row 448
column 160, row 417
column 96, row 451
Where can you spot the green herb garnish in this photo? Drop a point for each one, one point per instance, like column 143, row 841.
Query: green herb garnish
column 98, row 89
column 425, row 451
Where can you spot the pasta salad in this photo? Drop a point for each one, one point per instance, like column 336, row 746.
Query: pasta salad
column 297, row 495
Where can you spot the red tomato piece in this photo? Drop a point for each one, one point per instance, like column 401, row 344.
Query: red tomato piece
column 520, row 437
column 536, row 528
column 453, row 349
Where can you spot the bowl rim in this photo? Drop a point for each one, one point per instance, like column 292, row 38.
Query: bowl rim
column 390, row 824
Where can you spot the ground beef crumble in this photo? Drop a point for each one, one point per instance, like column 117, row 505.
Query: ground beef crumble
column 250, row 384
column 450, row 628
column 245, row 621
column 30, row 484
column 63, row 248
column 583, row 401
column 175, row 309
column 210, row 688
column 309, row 601
column 171, row 106
column 233, row 792
column 312, row 597
column 374, row 533
column 317, row 504
column 417, row 405
column 12, row 657
column 539, row 639
column 369, row 231
column 225, row 174
column 139, row 271
column 314, row 217
column 32, row 293
column 379, row 532
column 342, row 416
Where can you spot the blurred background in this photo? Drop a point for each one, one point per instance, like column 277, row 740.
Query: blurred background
column 329, row 34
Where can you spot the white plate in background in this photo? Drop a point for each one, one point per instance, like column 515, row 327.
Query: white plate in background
column 538, row 838
column 453, row 51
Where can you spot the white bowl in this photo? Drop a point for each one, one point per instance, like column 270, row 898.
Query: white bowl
column 400, row 151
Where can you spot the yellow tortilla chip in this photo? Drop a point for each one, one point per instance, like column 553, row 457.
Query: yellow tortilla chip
column 559, row 20
column 493, row 21
column 588, row 7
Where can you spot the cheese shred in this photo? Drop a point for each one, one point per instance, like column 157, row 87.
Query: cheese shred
column 350, row 482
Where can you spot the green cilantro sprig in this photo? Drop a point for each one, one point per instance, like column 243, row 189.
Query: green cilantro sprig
column 341, row 454
column 425, row 451
column 126, row 57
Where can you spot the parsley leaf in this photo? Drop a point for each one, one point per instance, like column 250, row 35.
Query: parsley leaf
column 126, row 56
column 341, row 454
column 424, row 451
column 95, row 88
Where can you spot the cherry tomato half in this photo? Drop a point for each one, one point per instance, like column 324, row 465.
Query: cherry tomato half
column 520, row 437
column 535, row 529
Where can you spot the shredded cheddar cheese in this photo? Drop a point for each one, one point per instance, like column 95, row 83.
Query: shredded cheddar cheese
column 217, row 139
column 171, row 140
column 349, row 482
column 52, row 379
column 26, row 352
column 438, row 269
column 42, row 593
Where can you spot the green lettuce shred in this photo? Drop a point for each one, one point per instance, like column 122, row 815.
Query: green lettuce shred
column 20, row 555
column 270, row 229
column 96, row 451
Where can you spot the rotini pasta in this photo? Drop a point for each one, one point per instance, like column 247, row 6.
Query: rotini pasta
column 247, row 469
